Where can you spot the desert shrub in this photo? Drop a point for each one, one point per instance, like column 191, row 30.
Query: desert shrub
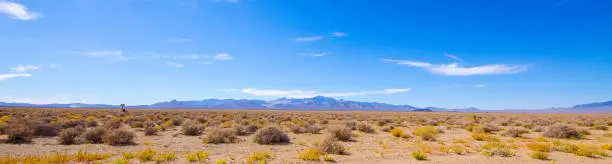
column 164, row 157
column 94, row 135
column 297, row 129
column 70, row 136
column 191, row 128
column 119, row 137
column 364, row 127
column 270, row 135
column 197, row 157
column 313, row 128
column 387, row 129
column 136, row 124
column 514, row 132
column 444, row 149
column 341, row 133
column 562, row 131
column 397, row 132
column 351, row 125
column 607, row 146
column 239, row 130
column 146, row 155
column 310, row 154
column 538, row 129
column 484, row 137
column 43, row 129
column 418, row 155
column 19, row 134
column 251, row 128
column 458, row 149
column 150, row 130
column 502, row 152
column 112, row 124
column 490, row 128
column 538, row 155
column 427, row 133
column 259, row 156
column 541, row 147
column 601, row 127
column 177, row 121
column 91, row 123
column 73, row 124
column 331, row 146
column 220, row 135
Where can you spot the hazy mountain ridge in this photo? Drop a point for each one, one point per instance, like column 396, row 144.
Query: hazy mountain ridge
column 315, row 103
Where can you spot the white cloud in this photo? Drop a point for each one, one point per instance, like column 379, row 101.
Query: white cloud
column 480, row 85
column 179, row 39
column 17, row 11
column 176, row 65
column 453, row 56
column 207, row 63
column 53, row 65
column 105, row 54
column 339, row 34
column 223, row 56
column 454, row 69
column 307, row 94
column 24, row 68
column 309, row 39
column 13, row 75
column 314, row 54
column 57, row 99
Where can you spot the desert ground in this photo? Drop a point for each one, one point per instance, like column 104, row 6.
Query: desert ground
column 34, row 135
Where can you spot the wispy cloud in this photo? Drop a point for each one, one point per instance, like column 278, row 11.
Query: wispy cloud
column 17, row 11
column 454, row 69
column 480, row 85
column 179, row 39
column 105, row 54
column 24, row 68
column 453, row 56
column 309, row 39
column 223, row 56
column 13, row 75
column 174, row 64
column 306, row 94
column 339, row 34
column 314, row 54
column 59, row 99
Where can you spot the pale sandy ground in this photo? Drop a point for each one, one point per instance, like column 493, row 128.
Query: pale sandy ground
column 365, row 150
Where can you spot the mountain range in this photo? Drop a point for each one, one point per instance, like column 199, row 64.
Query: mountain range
column 314, row 103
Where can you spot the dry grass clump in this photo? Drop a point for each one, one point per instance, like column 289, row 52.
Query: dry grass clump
column 427, row 133
column 351, row 125
column 341, row 133
column 220, row 135
column 364, row 127
column 562, row 131
column 270, row 135
column 19, row 134
column 41, row 128
column 418, row 155
column 94, row 136
column 331, row 146
column 310, row 154
column 192, row 128
column 70, row 136
column 538, row 155
column 119, row 137
column 514, row 132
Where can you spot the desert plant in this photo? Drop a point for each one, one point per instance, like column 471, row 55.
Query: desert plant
column 514, row 132
column 364, row 127
column 270, row 135
column 418, row 155
column 538, row 155
column 220, row 135
column 351, row 125
column 19, row 134
column 70, row 136
column 427, row 133
column 341, row 133
column 94, row 135
column 191, row 128
column 119, row 137
column 310, row 154
column 562, row 131
column 147, row 155
column 397, row 132
column 331, row 146
column 150, row 130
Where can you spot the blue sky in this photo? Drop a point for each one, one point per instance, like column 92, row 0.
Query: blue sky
column 442, row 53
